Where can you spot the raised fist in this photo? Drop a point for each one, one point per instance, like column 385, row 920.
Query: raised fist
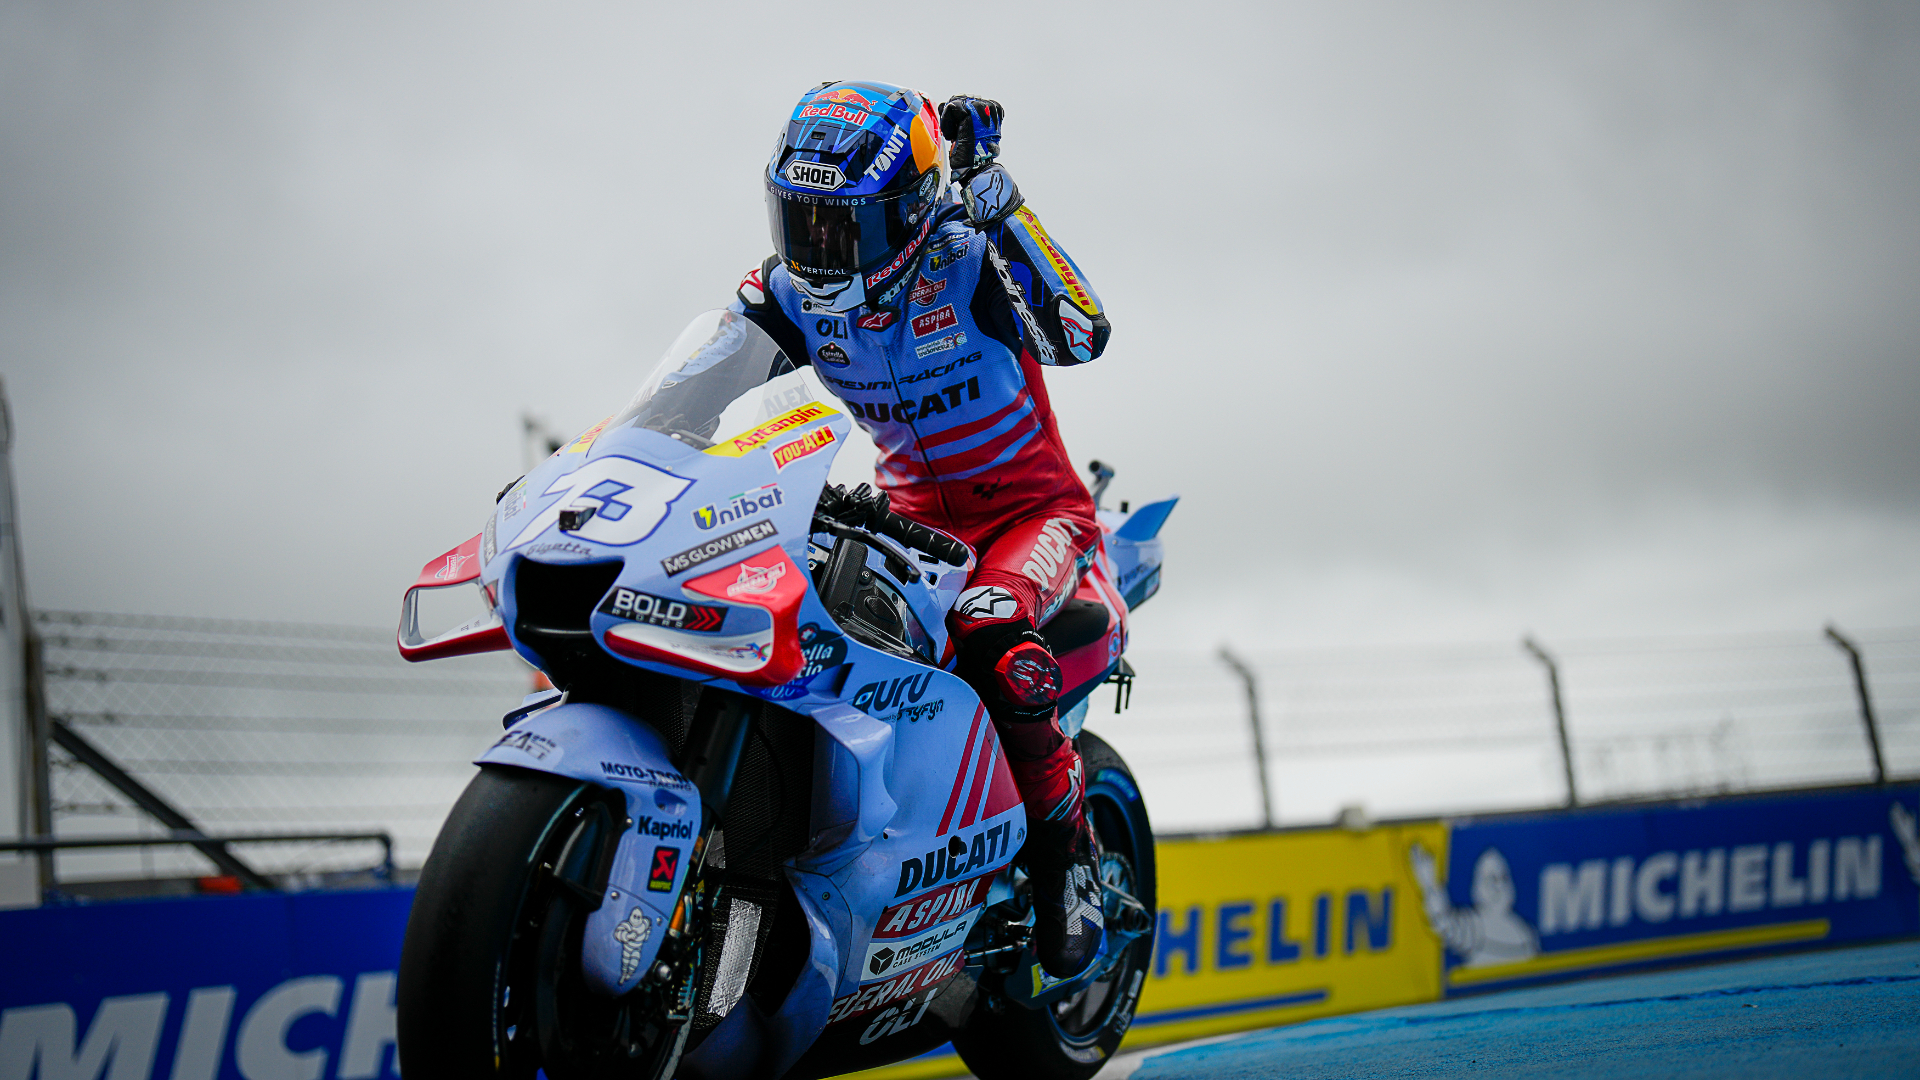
column 971, row 127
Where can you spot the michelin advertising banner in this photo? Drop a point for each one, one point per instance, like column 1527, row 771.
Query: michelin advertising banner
column 1274, row 928
column 1526, row 898
column 265, row 987
column 1254, row 930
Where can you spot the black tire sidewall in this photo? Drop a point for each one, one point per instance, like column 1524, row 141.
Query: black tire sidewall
column 472, row 895
column 1020, row 1043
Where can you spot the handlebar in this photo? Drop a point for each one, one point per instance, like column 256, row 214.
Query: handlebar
column 864, row 507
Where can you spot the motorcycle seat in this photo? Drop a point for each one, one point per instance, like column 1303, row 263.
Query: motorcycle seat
column 1078, row 623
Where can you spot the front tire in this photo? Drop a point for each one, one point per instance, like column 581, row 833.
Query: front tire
column 489, row 972
column 1074, row 1037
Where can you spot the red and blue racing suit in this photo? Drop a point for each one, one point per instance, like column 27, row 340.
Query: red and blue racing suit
column 947, row 381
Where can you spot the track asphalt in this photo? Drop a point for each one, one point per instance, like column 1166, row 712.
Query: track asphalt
column 1839, row 1013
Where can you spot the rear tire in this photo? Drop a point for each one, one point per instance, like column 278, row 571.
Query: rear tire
column 1074, row 1037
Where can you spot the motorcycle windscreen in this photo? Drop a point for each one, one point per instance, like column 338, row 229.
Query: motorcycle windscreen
column 718, row 359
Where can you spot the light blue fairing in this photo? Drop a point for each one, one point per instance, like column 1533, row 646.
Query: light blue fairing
column 607, row 747
column 906, row 800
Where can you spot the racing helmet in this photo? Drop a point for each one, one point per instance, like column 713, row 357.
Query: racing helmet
column 851, row 191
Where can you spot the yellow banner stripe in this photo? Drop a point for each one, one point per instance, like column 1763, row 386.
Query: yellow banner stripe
column 1610, row 955
column 749, row 441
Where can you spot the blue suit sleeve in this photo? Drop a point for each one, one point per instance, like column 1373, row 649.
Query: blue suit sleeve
column 1061, row 298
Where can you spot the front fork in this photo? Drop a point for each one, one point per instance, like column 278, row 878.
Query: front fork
column 718, row 740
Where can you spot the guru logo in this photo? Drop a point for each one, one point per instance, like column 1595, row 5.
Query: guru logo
column 878, row 697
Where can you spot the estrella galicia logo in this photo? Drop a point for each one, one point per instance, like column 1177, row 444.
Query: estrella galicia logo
column 744, row 505
column 823, row 650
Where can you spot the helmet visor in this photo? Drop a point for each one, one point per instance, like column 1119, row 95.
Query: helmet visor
column 834, row 237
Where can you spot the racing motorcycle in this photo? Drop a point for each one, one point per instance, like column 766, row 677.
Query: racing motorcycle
column 758, row 827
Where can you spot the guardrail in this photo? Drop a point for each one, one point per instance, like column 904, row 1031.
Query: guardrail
column 203, row 842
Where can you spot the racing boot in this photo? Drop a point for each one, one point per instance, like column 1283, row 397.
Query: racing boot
column 1020, row 682
column 1063, row 862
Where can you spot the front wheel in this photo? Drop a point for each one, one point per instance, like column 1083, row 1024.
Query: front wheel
column 1073, row 1037
column 489, row 980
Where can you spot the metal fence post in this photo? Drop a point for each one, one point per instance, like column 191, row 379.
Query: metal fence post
column 1259, row 742
column 1866, row 702
column 1559, row 714
column 39, row 738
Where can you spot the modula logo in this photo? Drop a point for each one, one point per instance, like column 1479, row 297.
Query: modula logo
column 815, row 174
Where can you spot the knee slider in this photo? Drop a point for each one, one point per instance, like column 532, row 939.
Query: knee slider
column 1013, row 661
column 1028, row 676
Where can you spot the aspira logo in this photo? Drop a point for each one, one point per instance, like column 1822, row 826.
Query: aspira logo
column 815, row 174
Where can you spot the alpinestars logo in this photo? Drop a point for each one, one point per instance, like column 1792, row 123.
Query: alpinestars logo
column 987, row 602
column 1036, row 339
column 815, row 174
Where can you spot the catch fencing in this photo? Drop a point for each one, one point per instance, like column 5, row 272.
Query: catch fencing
column 264, row 727
column 1394, row 732
column 256, row 727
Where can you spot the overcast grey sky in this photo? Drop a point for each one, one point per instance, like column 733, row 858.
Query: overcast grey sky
column 1446, row 320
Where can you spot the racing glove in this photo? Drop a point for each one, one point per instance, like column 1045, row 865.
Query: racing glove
column 971, row 127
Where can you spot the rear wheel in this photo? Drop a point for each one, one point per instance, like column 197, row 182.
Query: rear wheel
column 489, row 981
column 1073, row 1037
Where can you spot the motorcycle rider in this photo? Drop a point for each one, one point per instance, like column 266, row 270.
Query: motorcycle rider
column 930, row 316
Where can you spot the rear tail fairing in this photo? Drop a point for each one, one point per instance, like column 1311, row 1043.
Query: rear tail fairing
column 1133, row 544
